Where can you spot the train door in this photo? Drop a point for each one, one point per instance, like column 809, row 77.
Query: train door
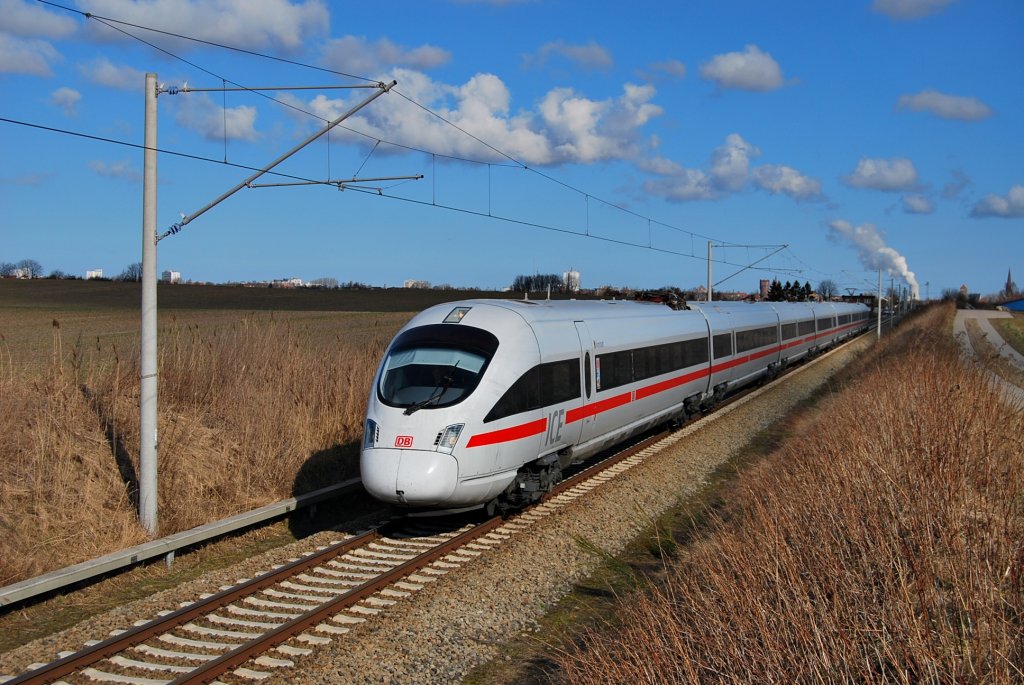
column 589, row 421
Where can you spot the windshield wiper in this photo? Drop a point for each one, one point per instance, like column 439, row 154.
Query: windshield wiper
column 436, row 393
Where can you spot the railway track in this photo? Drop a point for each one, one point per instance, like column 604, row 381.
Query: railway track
column 262, row 624
column 249, row 631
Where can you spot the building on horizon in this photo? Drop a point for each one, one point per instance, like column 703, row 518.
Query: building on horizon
column 171, row 277
column 571, row 279
column 93, row 273
column 410, row 283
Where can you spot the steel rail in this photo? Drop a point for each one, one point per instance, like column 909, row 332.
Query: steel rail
column 238, row 656
column 209, row 671
column 89, row 570
column 139, row 634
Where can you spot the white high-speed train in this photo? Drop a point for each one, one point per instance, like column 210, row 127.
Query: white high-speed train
column 484, row 402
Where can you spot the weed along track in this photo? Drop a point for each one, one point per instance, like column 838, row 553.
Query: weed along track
column 344, row 611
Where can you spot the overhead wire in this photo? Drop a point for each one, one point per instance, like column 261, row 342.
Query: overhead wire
column 515, row 163
column 109, row 21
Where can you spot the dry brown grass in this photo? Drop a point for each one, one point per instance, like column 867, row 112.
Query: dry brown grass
column 61, row 496
column 252, row 409
column 886, row 545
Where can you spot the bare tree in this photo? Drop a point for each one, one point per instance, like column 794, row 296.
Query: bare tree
column 6, row 269
column 827, row 289
column 132, row 272
column 30, row 268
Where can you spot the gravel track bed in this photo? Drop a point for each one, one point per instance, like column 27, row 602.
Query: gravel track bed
column 460, row 621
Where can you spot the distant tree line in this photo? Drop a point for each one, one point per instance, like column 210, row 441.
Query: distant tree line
column 28, row 268
column 792, row 292
column 524, row 283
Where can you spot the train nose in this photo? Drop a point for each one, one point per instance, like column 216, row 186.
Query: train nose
column 411, row 477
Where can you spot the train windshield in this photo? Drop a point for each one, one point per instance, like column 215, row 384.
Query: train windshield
column 435, row 366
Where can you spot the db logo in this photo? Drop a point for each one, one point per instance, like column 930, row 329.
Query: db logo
column 403, row 441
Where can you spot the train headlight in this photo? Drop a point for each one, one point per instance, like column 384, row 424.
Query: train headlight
column 449, row 437
column 370, row 434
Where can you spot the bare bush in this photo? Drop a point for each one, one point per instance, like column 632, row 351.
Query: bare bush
column 886, row 545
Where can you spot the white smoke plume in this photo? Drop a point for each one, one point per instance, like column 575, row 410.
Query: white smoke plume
column 873, row 252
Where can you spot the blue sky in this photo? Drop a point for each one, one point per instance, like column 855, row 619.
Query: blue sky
column 864, row 134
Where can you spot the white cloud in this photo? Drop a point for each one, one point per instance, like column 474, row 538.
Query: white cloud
column 787, row 180
column 121, row 170
column 589, row 56
column 252, row 24
column 565, row 127
column 201, row 114
column 751, row 69
column 26, row 56
column 880, row 174
column 104, row 72
column 683, row 186
column 728, row 171
column 946, row 106
column 1009, row 207
column 32, row 20
column 67, row 99
column 356, row 55
column 874, row 254
column 910, row 9
column 916, row 203
column 730, row 163
column 659, row 72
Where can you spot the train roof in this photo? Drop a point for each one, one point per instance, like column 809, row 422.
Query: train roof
column 548, row 310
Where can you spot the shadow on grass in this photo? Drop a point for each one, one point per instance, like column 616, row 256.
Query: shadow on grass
column 324, row 468
column 125, row 465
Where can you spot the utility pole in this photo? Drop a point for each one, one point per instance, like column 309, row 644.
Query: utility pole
column 148, row 480
column 879, row 314
column 148, row 361
column 709, row 271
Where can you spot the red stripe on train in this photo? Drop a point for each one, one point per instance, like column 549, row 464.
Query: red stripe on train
column 519, row 432
column 537, row 427
column 595, row 408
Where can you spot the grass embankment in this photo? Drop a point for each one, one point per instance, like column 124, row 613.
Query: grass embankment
column 884, row 545
column 989, row 357
column 253, row 408
column 1012, row 331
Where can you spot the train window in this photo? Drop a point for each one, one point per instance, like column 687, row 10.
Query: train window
column 435, row 366
column 694, row 352
column 559, row 381
column 586, row 373
column 620, row 368
column 543, row 385
column 757, row 337
column 722, row 344
column 806, row 327
column 788, row 331
column 616, row 368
